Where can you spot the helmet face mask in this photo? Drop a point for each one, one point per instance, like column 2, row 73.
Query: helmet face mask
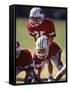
column 41, row 53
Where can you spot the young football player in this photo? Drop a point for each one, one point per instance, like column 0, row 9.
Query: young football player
column 44, row 53
column 38, row 25
column 24, row 62
column 41, row 54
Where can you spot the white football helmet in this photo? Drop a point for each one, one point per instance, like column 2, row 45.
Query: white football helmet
column 36, row 16
column 42, row 48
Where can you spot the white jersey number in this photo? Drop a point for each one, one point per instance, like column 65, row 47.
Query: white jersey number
column 38, row 34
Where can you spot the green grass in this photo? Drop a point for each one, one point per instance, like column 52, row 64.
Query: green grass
column 22, row 35
column 60, row 33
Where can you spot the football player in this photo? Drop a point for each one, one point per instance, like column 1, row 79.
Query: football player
column 44, row 53
column 40, row 55
column 38, row 25
column 24, row 62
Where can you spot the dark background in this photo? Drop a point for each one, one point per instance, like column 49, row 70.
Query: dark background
column 50, row 12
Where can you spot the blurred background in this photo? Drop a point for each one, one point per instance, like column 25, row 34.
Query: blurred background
column 57, row 15
column 50, row 12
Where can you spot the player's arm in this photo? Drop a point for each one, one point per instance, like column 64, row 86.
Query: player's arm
column 52, row 32
column 30, row 31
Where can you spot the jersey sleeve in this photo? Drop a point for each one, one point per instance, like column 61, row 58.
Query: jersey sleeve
column 30, row 29
column 52, row 29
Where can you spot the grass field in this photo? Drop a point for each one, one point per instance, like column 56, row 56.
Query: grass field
column 26, row 41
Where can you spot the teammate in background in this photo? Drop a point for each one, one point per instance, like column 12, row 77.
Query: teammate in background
column 24, row 62
column 37, row 26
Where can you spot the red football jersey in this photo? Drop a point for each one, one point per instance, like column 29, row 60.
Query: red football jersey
column 45, row 28
column 54, row 48
column 25, row 58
